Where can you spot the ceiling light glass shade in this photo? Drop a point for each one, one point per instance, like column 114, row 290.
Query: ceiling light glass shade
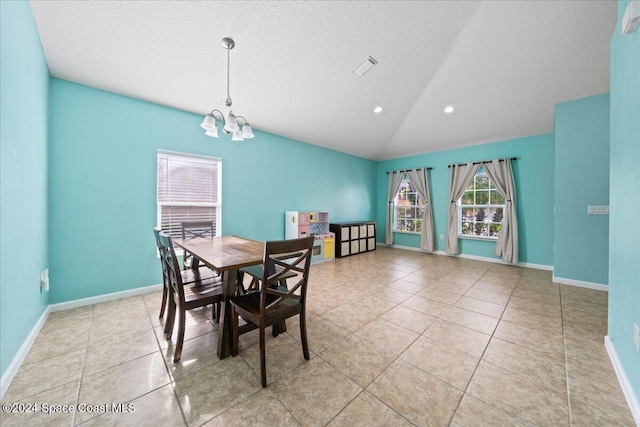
column 231, row 124
column 208, row 122
column 237, row 135
column 247, row 132
column 213, row 132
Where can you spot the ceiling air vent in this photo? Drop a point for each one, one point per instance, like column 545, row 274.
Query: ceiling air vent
column 365, row 66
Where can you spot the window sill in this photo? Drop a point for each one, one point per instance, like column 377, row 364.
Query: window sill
column 406, row 232
column 486, row 239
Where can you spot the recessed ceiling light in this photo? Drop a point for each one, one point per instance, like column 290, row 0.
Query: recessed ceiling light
column 377, row 110
column 448, row 109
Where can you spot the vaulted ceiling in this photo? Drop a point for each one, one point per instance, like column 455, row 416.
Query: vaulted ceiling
column 503, row 65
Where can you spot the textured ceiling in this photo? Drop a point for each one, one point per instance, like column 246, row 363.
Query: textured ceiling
column 503, row 65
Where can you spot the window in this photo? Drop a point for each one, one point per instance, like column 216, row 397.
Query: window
column 409, row 208
column 189, row 189
column 480, row 209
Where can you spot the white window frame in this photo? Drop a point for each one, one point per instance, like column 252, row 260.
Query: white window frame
column 474, row 205
column 217, row 205
column 396, row 205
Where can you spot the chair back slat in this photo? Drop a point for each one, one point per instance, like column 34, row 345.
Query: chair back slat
column 173, row 274
column 290, row 256
column 162, row 249
column 156, row 233
column 192, row 229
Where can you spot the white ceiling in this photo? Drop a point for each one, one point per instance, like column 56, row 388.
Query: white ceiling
column 503, row 65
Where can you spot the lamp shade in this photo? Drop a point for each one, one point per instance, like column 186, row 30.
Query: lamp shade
column 231, row 124
column 237, row 136
column 247, row 132
column 208, row 122
column 213, row 131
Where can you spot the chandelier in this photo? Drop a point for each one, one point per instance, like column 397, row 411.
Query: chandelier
column 231, row 123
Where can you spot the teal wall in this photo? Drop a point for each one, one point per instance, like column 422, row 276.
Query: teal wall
column 533, row 174
column 23, row 177
column 77, row 187
column 624, row 227
column 102, row 185
column 582, row 179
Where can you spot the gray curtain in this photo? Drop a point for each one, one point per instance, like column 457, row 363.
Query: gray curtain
column 394, row 183
column 461, row 176
column 419, row 179
column 501, row 174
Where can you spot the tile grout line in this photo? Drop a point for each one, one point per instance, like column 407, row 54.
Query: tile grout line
column 135, row 358
column 481, row 357
column 172, row 381
column 84, row 360
column 275, row 396
column 24, row 398
column 566, row 360
column 364, row 389
column 412, row 342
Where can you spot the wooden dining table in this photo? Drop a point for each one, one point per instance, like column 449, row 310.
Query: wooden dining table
column 225, row 254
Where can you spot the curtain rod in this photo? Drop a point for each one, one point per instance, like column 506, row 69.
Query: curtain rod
column 486, row 161
column 409, row 170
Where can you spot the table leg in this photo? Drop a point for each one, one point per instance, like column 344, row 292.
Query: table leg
column 279, row 328
column 195, row 263
column 224, row 327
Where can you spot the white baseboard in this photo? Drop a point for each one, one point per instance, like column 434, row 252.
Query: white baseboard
column 555, row 279
column 104, row 298
column 15, row 364
column 632, row 400
column 472, row 257
column 580, row 283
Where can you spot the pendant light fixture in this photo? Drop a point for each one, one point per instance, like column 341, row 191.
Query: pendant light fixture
column 230, row 123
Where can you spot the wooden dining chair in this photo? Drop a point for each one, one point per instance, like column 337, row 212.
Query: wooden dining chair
column 188, row 276
column 192, row 229
column 183, row 297
column 274, row 303
column 255, row 273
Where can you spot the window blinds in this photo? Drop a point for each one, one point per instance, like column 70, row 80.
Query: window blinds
column 188, row 190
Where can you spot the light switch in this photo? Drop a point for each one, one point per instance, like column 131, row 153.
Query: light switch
column 598, row 210
column 44, row 280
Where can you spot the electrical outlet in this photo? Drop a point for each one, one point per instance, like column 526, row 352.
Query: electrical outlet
column 636, row 336
column 442, row 237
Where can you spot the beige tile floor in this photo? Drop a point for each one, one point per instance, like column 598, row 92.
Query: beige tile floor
column 397, row 338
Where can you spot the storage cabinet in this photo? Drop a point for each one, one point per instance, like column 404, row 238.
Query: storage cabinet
column 354, row 237
column 303, row 224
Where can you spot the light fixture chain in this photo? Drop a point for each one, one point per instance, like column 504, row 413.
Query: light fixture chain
column 228, row 102
column 236, row 125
